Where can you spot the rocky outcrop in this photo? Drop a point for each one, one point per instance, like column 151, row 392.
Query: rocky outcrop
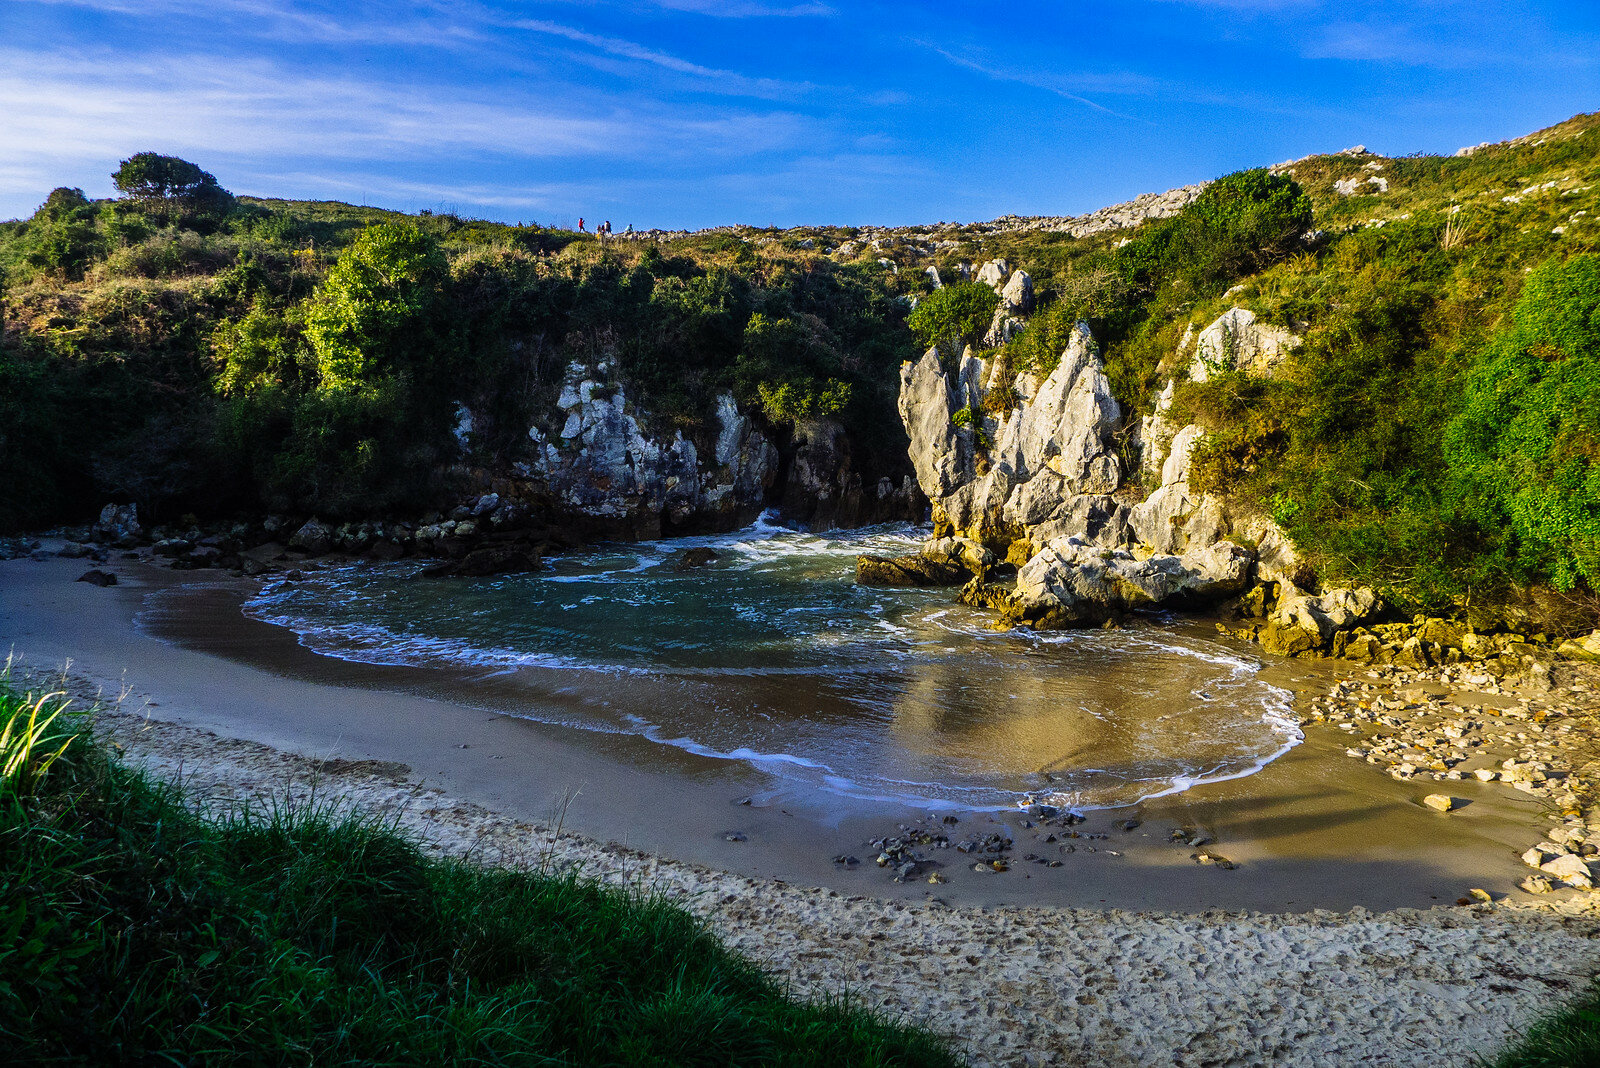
column 940, row 562
column 1584, row 648
column 1016, row 296
column 822, row 485
column 118, row 525
column 602, row 465
column 1235, row 341
column 1044, row 467
column 912, row 570
column 1070, row 583
column 602, row 468
column 498, row 558
column 1033, row 470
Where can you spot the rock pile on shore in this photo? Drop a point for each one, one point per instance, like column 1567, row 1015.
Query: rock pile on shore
column 1460, row 723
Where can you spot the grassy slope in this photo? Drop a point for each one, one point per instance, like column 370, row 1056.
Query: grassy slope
column 134, row 931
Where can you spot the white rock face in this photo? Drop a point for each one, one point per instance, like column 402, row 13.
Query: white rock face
column 603, row 465
column 1038, row 459
column 1017, row 295
column 1237, row 342
column 1075, row 582
column 1349, row 187
column 1043, row 469
column 994, row 274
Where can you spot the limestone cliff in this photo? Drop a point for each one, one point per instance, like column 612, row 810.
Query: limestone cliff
column 1035, row 471
column 604, row 468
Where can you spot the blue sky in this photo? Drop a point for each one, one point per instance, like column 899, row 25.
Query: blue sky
column 700, row 112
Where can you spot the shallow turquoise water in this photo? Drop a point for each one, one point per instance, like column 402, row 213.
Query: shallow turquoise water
column 773, row 656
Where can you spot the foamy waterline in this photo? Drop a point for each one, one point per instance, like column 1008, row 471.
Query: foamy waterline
column 861, row 634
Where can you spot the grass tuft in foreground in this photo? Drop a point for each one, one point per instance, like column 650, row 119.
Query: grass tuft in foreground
column 133, row 930
column 1567, row 1039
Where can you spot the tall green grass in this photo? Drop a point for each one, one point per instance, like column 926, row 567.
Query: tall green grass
column 135, row 931
column 1566, row 1039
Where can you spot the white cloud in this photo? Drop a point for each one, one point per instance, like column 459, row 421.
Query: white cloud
column 62, row 116
column 724, row 82
column 1067, row 86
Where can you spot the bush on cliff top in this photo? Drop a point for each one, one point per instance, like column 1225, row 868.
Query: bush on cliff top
column 957, row 314
column 135, row 931
column 205, row 347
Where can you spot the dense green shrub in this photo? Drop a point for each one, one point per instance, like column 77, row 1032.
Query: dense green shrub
column 376, row 312
column 1238, row 224
column 957, row 314
column 1526, row 446
column 61, row 238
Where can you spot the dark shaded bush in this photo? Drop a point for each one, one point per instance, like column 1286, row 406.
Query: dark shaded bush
column 1525, row 450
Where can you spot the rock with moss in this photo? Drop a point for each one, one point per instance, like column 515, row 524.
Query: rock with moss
column 913, row 570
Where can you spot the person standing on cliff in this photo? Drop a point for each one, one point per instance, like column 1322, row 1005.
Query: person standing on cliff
column 580, row 224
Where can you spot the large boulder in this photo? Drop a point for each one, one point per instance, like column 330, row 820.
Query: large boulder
column 912, row 570
column 940, row 562
column 314, row 537
column 994, row 274
column 118, row 524
column 1016, row 297
column 1072, row 583
column 1303, row 623
column 1584, row 648
column 502, row 558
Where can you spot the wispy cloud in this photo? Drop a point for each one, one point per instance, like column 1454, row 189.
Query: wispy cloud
column 60, row 115
column 1067, row 86
column 725, row 82
column 426, row 24
column 745, row 9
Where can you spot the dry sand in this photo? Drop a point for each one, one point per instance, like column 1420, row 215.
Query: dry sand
column 991, row 961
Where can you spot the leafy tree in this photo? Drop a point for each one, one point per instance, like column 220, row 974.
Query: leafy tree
column 1527, row 444
column 172, row 187
column 61, row 236
column 376, row 313
column 958, row 314
column 61, row 202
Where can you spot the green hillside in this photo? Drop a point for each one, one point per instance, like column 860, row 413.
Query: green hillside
column 1433, row 435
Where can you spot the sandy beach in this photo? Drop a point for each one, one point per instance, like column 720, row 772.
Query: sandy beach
column 1317, row 947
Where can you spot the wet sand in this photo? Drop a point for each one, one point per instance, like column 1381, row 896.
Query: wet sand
column 1314, row 829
